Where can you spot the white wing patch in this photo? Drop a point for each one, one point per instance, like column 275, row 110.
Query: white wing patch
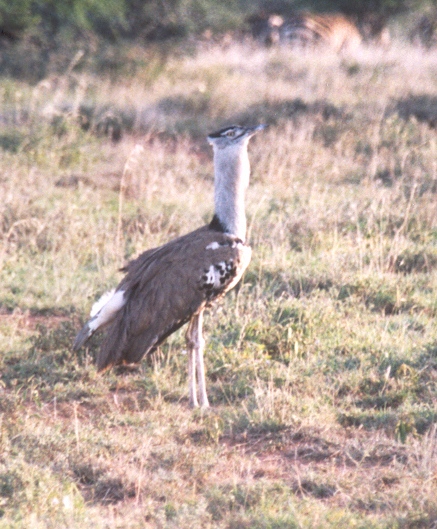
column 214, row 274
column 105, row 309
column 233, row 244
column 213, row 246
column 217, row 276
column 101, row 302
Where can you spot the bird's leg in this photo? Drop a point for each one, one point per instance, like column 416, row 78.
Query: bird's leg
column 200, row 345
column 195, row 345
column 191, row 364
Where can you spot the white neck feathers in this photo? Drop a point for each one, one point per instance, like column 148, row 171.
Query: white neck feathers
column 232, row 172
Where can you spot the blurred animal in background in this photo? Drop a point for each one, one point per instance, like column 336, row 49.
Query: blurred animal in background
column 338, row 31
column 335, row 30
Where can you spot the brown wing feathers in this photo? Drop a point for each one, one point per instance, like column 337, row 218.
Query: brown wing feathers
column 166, row 286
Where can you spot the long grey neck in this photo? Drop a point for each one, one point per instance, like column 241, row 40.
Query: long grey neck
column 231, row 179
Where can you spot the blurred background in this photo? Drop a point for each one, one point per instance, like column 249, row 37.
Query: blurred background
column 32, row 30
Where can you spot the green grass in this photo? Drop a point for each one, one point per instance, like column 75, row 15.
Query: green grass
column 322, row 365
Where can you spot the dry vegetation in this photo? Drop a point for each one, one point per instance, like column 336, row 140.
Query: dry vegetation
column 322, row 367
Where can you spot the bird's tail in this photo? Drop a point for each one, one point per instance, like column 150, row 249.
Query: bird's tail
column 112, row 349
column 83, row 336
column 102, row 313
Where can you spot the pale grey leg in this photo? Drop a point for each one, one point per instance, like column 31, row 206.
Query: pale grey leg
column 203, row 397
column 191, row 365
column 195, row 345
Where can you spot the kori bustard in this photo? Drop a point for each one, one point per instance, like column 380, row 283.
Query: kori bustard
column 168, row 286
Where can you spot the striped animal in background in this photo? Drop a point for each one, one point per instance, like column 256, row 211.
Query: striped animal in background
column 335, row 30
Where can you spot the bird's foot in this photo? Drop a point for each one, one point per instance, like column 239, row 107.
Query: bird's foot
column 193, row 402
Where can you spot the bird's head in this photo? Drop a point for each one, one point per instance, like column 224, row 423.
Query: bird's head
column 233, row 136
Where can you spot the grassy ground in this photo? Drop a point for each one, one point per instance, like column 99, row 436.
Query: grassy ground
column 322, row 366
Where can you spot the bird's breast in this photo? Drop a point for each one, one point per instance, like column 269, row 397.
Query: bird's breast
column 225, row 263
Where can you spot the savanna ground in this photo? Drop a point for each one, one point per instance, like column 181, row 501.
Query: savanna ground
column 322, row 365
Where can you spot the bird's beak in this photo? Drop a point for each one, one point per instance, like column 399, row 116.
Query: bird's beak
column 254, row 130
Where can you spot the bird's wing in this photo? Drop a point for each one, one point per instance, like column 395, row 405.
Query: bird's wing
column 165, row 287
column 136, row 267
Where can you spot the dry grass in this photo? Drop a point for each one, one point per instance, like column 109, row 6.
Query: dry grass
column 321, row 367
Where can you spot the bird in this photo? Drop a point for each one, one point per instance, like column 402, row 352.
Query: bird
column 171, row 285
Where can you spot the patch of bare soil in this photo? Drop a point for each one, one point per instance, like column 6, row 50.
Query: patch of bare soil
column 31, row 320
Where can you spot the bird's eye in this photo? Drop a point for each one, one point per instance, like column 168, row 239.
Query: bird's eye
column 230, row 133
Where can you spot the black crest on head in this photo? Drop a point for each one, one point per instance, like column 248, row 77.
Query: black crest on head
column 222, row 132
